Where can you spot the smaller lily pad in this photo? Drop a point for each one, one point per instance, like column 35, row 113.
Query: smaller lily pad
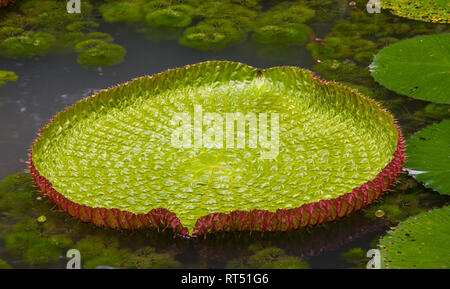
column 418, row 67
column 429, row 156
column 420, row 242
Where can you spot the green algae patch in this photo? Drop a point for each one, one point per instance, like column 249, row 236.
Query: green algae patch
column 420, row 242
column 27, row 44
column 97, row 52
column 356, row 257
column 287, row 34
column 36, row 27
column 267, row 258
column 121, row 12
column 16, row 195
column 207, row 36
column 4, row 265
column 175, row 16
column 35, row 243
column 110, row 159
column 7, row 76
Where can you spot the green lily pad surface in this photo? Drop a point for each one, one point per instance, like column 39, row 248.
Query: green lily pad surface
column 417, row 67
column 420, row 242
column 115, row 149
column 429, row 156
column 424, row 10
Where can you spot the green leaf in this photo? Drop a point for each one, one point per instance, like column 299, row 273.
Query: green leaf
column 420, row 242
column 417, row 67
column 429, row 156
column 114, row 150
column 424, row 10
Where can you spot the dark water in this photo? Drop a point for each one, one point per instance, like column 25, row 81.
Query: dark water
column 48, row 84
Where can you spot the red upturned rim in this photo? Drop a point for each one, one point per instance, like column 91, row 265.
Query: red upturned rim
column 311, row 214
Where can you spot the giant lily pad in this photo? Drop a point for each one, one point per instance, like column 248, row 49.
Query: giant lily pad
column 420, row 242
column 417, row 67
column 424, row 10
column 428, row 156
column 117, row 159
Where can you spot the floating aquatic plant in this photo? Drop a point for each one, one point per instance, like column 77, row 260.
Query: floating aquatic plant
column 3, row 264
column 268, row 258
column 433, row 111
column 82, row 26
column 35, row 26
column 285, row 13
column 175, row 16
column 95, row 52
column 418, row 67
column 109, row 159
column 148, row 258
column 9, row 31
column 337, row 70
column 420, row 242
column 99, row 35
column 428, row 156
column 7, row 76
column 357, row 36
column 224, row 10
column 283, row 25
column 357, row 257
column 288, row 34
column 27, row 44
column 224, row 24
column 208, row 36
column 30, row 241
column 365, row 57
column 51, row 15
column 423, row 10
column 331, row 47
column 78, row 40
column 121, row 11
column 97, row 251
column 16, row 195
